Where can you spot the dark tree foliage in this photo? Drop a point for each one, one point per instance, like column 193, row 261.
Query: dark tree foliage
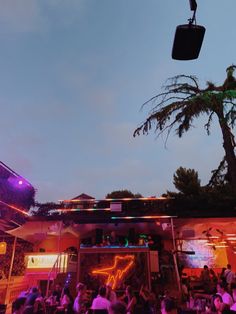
column 123, row 194
column 194, row 200
column 186, row 181
column 45, row 209
column 19, row 259
column 183, row 101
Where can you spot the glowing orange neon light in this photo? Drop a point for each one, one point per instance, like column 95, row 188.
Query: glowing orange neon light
column 117, row 199
column 81, row 209
column 116, row 273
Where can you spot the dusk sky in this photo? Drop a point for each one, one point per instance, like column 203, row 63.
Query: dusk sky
column 73, row 77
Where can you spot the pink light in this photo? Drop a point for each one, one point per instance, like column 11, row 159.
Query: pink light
column 20, row 182
column 15, row 208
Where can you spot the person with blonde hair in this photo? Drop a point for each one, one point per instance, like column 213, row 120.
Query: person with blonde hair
column 81, row 299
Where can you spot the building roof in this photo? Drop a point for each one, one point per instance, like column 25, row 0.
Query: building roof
column 83, row 196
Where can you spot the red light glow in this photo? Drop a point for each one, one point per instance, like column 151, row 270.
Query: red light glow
column 15, row 208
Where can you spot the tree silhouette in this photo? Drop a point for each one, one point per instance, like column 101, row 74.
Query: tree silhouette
column 183, row 101
column 123, row 194
column 186, row 181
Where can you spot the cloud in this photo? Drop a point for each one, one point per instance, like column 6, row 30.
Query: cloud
column 23, row 16
column 20, row 16
column 87, row 87
column 54, row 110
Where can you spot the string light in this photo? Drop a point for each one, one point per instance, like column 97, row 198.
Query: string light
column 117, row 199
column 82, row 209
column 15, row 208
column 141, row 217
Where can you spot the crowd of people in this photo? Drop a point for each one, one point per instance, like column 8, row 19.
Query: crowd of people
column 218, row 297
column 106, row 301
column 217, row 292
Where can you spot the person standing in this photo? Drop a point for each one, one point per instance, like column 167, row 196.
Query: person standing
column 229, row 275
column 233, row 289
column 131, row 300
column 111, row 295
column 222, row 291
column 32, row 296
column 67, row 301
column 56, row 294
column 101, row 302
column 81, row 300
column 205, row 278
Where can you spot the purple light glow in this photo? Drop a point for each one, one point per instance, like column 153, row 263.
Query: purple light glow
column 17, row 182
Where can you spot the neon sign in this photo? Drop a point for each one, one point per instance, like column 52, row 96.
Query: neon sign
column 115, row 273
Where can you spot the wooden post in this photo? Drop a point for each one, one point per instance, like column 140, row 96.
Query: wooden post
column 59, row 247
column 10, row 271
column 78, row 262
column 149, row 269
column 174, row 257
column 59, row 238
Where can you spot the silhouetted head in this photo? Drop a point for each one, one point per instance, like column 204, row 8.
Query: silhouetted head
column 217, row 303
column 66, row 291
column 18, row 304
column 35, row 290
column 58, row 287
column 102, row 291
column 221, row 287
column 129, row 290
column 80, row 287
column 168, row 306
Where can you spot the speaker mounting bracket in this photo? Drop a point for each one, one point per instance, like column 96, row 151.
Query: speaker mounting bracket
column 193, row 7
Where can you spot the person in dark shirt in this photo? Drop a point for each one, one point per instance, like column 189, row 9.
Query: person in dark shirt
column 57, row 293
column 205, row 278
column 67, row 301
column 32, row 296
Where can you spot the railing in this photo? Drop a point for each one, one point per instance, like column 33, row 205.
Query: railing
column 48, row 265
column 16, row 285
column 59, row 266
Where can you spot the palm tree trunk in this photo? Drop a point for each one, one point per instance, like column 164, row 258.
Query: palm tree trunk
column 229, row 145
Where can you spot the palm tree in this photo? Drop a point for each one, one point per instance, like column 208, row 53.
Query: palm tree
column 183, row 101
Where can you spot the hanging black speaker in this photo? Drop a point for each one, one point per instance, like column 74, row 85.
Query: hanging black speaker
column 188, row 41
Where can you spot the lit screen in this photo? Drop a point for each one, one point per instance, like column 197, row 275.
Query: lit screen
column 204, row 255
